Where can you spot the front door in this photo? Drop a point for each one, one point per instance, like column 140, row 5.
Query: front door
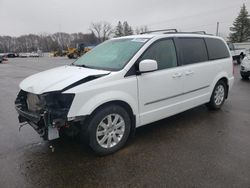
column 160, row 91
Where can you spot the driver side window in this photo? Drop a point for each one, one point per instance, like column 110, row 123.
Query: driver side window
column 163, row 52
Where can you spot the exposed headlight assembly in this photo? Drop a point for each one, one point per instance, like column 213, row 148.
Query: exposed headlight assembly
column 57, row 100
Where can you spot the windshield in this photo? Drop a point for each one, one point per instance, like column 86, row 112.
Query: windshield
column 111, row 55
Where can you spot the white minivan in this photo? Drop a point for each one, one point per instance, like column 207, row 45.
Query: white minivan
column 125, row 83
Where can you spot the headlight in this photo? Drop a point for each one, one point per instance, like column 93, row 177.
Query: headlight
column 58, row 100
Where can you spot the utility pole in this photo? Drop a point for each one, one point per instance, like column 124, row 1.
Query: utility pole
column 217, row 28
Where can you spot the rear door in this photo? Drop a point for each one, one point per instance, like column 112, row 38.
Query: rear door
column 198, row 72
column 160, row 91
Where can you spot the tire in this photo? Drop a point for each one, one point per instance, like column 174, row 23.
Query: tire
column 111, row 137
column 75, row 56
column 218, row 96
column 244, row 77
column 70, row 56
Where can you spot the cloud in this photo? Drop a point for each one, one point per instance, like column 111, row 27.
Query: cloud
column 38, row 16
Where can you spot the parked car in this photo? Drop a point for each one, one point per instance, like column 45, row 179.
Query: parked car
column 238, row 54
column 24, row 55
column 126, row 83
column 245, row 67
column 33, row 54
column 12, row 55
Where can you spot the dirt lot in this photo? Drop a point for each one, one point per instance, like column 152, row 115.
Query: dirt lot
column 197, row 148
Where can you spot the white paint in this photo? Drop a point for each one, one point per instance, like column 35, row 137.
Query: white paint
column 152, row 96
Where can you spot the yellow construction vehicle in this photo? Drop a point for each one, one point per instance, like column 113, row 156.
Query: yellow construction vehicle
column 74, row 53
column 59, row 53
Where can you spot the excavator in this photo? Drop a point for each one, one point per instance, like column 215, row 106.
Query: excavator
column 74, row 53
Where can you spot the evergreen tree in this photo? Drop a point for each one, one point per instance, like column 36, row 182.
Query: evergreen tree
column 119, row 30
column 240, row 31
column 123, row 29
column 127, row 30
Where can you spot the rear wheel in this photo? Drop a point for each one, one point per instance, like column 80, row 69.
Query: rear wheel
column 109, row 129
column 218, row 96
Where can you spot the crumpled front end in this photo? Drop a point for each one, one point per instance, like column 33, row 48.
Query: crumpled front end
column 46, row 113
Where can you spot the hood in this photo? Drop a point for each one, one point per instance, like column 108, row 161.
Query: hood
column 58, row 79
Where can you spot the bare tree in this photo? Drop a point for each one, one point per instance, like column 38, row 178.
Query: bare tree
column 44, row 42
column 102, row 30
column 107, row 30
column 141, row 29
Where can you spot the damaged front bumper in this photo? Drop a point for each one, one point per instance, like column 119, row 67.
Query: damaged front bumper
column 47, row 113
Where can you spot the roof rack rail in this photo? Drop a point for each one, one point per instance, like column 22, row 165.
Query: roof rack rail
column 199, row 32
column 172, row 31
column 164, row 31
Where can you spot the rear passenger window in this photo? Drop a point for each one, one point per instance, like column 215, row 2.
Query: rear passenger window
column 216, row 49
column 163, row 52
column 193, row 50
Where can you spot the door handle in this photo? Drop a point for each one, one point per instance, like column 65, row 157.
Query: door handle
column 177, row 75
column 188, row 73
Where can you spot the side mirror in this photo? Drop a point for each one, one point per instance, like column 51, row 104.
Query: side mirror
column 148, row 65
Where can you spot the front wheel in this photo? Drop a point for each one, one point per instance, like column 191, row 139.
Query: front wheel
column 109, row 129
column 218, row 96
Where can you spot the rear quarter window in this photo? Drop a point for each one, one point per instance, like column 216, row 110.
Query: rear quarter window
column 217, row 49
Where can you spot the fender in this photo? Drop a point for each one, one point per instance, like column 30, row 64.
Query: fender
column 221, row 75
column 97, row 100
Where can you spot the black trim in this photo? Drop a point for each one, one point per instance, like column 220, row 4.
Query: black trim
column 156, row 101
column 165, row 31
column 82, row 81
column 177, row 51
column 131, row 72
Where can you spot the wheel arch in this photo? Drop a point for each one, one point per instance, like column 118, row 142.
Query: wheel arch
column 123, row 104
column 223, row 78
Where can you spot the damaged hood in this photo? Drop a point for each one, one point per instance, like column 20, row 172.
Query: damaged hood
column 58, row 79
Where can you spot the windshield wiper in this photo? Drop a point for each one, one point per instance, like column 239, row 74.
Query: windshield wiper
column 84, row 66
